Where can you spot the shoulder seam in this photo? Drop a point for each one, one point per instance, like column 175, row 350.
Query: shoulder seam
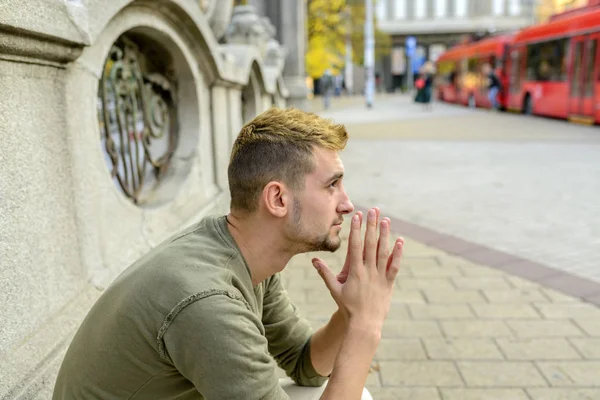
column 186, row 302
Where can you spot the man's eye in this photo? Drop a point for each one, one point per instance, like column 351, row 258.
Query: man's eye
column 334, row 183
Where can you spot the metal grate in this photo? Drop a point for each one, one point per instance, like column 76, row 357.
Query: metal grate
column 138, row 118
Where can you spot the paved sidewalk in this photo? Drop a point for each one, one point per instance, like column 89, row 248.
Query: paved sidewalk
column 458, row 330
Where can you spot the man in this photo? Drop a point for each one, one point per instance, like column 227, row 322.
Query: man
column 494, row 85
column 204, row 315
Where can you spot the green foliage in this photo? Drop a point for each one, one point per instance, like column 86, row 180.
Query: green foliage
column 329, row 24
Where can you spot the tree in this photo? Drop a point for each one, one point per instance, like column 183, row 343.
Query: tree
column 329, row 24
column 326, row 33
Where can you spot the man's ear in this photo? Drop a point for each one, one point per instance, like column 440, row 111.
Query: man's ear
column 276, row 199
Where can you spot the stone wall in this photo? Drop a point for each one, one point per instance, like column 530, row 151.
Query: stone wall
column 116, row 122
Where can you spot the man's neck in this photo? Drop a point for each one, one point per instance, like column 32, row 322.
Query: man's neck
column 261, row 246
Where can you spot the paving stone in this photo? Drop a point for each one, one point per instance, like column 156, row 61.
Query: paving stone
column 563, row 394
column 500, row 374
column 400, row 349
column 408, row 296
column 574, row 310
column 589, row 326
column 514, row 296
column 373, row 379
column 440, row 311
column 434, row 272
column 588, row 347
column 389, row 393
column 484, row 394
column 410, row 329
column 453, row 296
column 571, row 373
column 497, row 311
column 421, row 262
column 423, row 283
column 537, row 349
column 521, row 283
column 544, row 328
column 462, row 349
column 475, row 329
column 473, row 270
column 419, row 373
column 477, row 283
column 558, row 297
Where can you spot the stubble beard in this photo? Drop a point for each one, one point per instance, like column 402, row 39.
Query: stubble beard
column 310, row 243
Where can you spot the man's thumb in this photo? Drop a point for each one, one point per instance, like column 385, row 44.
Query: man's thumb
column 325, row 273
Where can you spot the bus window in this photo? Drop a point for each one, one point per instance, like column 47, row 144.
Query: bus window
column 515, row 72
column 546, row 61
column 576, row 75
column 589, row 74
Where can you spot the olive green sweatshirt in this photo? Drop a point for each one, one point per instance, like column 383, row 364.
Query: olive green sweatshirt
column 185, row 322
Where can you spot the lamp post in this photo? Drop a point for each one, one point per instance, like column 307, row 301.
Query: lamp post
column 369, row 54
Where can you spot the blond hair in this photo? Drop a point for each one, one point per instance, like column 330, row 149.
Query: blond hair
column 277, row 145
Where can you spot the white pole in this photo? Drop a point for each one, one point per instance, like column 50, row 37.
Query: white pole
column 369, row 54
column 348, row 72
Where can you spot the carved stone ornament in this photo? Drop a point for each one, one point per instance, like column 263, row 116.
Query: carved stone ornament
column 247, row 27
column 218, row 16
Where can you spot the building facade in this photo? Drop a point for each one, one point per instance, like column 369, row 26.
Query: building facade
column 116, row 122
column 438, row 24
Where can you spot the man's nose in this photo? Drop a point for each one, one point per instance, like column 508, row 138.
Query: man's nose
column 346, row 206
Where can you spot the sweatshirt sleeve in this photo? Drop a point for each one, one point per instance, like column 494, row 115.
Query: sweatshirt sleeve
column 217, row 344
column 288, row 335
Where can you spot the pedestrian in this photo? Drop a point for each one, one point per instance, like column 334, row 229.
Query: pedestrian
column 326, row 85
column 424, row 85
column 204, row 315
column 494, row 85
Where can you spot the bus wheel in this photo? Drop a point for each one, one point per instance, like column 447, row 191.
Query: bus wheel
column 528, row 105
column 471, row 101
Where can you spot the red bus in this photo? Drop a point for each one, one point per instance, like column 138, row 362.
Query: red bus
column 459, row 75
column 554, row 68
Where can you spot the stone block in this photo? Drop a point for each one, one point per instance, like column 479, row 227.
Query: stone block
column 589, row 348
column 501, row 374
column 537, row 349
column 484, row 394
column 544, row 328
column 419, row 373
column 573, row 310
column 462, row 349
column 475, row 329
column 497, row 311
column 571, row 373
column 514, row 296
column 564, row 394
column 589, row 326
column 410, row 329
column 424, row 283
column 400, row 349
column 391, row 393
column 440, row 311
column 453, row 296
column 477, row 283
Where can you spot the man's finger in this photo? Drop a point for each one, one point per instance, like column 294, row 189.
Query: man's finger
column 344, row 272
column 355, row 244
column 371, row 239
column 394, row 261
column 327, row 276
column 383, row 247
